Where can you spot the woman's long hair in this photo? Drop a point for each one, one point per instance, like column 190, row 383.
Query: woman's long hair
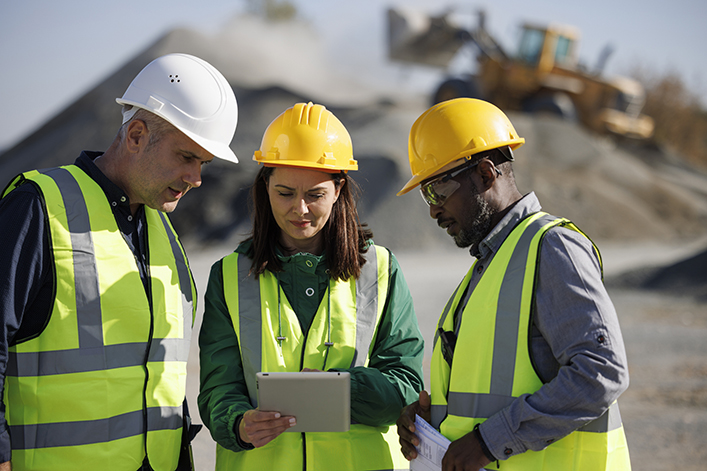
column 345, row 238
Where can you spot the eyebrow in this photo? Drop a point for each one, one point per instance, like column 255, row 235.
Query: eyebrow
column 316, row 188
column 191, row 154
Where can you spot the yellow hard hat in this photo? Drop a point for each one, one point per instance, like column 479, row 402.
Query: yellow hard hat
column 310, row 136
column 452, row 130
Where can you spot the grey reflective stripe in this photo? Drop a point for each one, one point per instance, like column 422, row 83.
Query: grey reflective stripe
column 608, row 421
column 481, row 406
column 438, row 413
column 76, row 361
column 445, row 313
column 366, row 307
column 250, row 326
column 183, row 274
column 95, row 359
column 88, row 306
column 87, row 432
column 508, row 312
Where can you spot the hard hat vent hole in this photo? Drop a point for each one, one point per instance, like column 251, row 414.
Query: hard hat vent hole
column 174, row 78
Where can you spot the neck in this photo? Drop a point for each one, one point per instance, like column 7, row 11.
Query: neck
column 314, row 245
column 108, row 163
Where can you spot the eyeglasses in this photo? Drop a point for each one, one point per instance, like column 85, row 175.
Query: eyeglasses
column 437, row 191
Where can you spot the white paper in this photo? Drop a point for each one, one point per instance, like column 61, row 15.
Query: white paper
column 433, row 446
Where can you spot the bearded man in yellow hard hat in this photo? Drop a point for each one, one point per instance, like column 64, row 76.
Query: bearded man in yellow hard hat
column 97, row 297
column 528, row 358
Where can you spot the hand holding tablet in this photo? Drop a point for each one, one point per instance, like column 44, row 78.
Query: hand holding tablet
column 320, row 401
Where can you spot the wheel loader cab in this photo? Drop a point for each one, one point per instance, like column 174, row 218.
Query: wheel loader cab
column 545, row 48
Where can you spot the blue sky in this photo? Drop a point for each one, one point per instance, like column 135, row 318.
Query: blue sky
column 52, row 51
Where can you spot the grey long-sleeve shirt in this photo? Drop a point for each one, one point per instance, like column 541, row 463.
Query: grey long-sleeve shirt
column 576, row 341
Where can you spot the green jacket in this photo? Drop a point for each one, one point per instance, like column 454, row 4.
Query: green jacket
column 392, row 380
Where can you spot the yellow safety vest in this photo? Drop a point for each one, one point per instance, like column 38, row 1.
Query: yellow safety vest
column 356, row 307
column 104, row 383
column 492, row 365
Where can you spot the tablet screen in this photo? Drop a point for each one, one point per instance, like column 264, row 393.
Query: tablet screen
column 320, row 401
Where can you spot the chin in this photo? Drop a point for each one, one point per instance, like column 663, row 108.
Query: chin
column 167, row 207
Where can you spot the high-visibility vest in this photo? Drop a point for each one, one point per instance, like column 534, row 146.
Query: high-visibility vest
column 104, row 383
column 258, row 309
column 492, row 366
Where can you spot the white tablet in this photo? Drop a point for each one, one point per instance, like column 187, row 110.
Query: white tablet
column 320, row 401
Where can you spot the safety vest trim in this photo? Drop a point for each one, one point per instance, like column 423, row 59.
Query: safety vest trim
column 77, row 361
column 366, row 308
column 250, row 339
column 483, row 406
column 93, row 431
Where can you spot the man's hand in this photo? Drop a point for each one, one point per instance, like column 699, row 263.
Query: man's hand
column 406, row 424
column 261, row 427
column 464, row 454
column 6, row 466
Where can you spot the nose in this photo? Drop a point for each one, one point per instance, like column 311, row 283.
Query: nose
column 300, row 207
column 193, row 175
column 435, row 211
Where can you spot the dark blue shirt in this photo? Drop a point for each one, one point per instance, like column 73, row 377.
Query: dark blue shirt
column 27, row 277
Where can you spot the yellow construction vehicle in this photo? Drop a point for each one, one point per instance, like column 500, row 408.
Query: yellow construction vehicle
column 544, row 75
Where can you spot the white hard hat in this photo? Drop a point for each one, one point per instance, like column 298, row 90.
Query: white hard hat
column 190, row 94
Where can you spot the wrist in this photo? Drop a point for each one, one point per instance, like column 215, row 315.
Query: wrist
column 237, row 430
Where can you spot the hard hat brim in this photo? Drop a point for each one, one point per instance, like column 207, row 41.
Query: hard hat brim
column 215, row 148
column 306, row 165
column 417, row 179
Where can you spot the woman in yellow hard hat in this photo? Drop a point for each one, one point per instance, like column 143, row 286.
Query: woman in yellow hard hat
column 308, row 290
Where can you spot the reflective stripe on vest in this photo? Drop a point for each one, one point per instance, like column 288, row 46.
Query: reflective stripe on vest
column 498, row 312
column 92, row 344
column 253, row 306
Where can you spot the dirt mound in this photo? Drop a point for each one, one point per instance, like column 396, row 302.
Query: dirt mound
column 685, row 278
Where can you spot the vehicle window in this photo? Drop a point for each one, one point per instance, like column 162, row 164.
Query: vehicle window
column 564, row 45
column 531, row 44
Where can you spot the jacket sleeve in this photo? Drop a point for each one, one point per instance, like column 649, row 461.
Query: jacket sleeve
column 223, row 394
column 25, row 269
column 393, row 377
column 576, row 342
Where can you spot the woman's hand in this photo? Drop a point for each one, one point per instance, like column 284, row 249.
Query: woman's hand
column 261, row 427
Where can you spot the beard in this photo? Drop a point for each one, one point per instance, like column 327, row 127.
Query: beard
column 477, row 223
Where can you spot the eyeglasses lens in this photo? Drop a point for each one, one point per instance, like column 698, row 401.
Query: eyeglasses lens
column 437, row 192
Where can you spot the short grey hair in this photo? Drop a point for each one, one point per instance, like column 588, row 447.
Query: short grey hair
column 156, row 126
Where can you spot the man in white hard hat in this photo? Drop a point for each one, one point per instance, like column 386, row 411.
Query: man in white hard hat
column 96, row 295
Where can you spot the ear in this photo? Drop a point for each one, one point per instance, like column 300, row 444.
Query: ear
column 338, row 188
column 136, row 136
column 488, row 173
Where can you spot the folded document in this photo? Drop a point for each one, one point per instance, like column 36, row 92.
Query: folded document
column 433, row 446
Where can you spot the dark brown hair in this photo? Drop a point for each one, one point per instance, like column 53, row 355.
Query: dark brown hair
column 345, row 238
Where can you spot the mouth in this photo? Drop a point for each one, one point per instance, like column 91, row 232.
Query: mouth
column 300, row 224
column 177, row 194
column 446, row 224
